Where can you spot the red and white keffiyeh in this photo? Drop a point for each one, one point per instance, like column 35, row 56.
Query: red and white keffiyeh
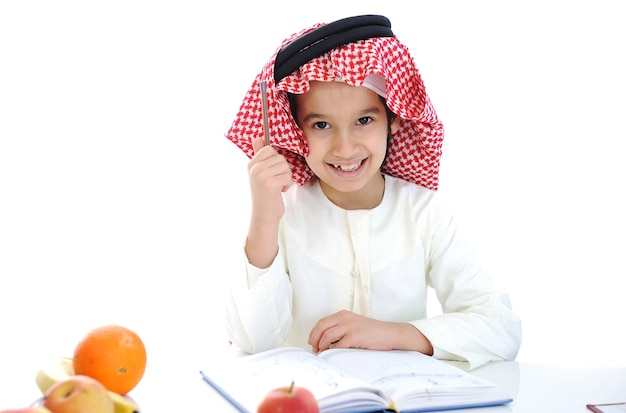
column 414, row 150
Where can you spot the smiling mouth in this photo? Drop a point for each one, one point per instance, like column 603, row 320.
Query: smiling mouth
column 348, row 168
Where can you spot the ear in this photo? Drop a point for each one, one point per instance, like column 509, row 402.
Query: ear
column 395, row 124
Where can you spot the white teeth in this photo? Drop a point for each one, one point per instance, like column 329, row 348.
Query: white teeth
column 348, row 168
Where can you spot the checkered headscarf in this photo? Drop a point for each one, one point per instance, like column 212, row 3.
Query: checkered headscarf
column 414, row 150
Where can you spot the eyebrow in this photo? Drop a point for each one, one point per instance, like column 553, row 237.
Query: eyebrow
column 368, row 111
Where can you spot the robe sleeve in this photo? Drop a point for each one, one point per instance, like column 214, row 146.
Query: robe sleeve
column 477, row 324
column 258, row 308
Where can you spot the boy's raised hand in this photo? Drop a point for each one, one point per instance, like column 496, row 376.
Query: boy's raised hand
column 270, row 175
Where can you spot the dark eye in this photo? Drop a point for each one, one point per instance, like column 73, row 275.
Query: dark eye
column 320, row 125
column 364, row 120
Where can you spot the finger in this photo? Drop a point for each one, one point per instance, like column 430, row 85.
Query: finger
column 257, row 144
column 332, row 338
column 268, row 165
column 325, row 333
column 316, row 334
column 321, row 327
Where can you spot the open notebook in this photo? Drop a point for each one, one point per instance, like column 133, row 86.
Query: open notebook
column 352, row 380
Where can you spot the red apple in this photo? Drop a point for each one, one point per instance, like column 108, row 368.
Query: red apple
column 289, row 399
column 78, row 394
column 29, row 409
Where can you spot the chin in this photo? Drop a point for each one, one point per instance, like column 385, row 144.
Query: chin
column 362, row 192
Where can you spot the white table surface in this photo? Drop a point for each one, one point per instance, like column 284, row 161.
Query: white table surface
column 174, row 384
column 535, row 388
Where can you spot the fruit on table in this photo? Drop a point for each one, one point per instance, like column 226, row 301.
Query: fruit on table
column 289, row 399
column 55, row 370
column 123, row 404
column 61, row 368
column 78, row 394
column 112, row 354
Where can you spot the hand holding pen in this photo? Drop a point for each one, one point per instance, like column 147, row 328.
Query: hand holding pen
column 270, row 175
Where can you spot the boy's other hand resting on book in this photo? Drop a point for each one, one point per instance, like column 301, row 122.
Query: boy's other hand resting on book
column 346, row 329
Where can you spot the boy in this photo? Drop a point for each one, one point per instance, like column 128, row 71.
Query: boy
column 344, row 258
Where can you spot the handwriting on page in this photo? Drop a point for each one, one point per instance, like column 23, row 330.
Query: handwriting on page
column 304, row 368
column 309, row 369
column 399, row 372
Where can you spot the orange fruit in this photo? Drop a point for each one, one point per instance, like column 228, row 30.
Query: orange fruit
column 112, row 354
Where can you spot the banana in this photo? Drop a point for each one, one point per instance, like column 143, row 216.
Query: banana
column 61, row 368
column 123, row 404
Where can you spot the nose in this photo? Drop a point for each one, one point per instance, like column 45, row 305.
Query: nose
column 344, row 144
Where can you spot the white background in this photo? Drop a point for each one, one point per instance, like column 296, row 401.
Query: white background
column 122, row 202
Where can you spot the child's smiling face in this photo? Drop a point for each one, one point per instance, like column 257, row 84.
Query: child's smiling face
column 346, row 128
